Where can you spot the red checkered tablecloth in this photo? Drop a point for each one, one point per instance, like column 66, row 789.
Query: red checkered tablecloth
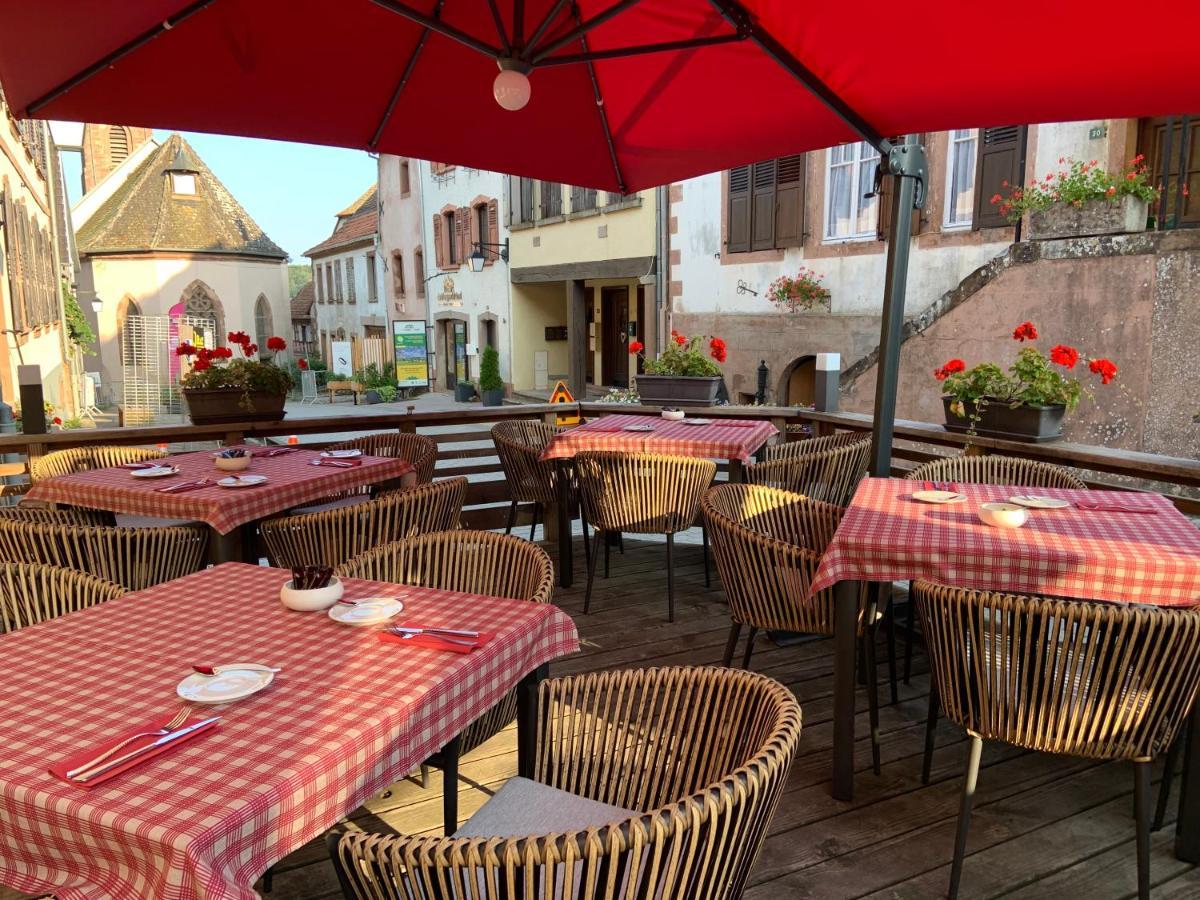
column 714, row 441
column 291, row 481
column 1116, row 556
column 346, row 717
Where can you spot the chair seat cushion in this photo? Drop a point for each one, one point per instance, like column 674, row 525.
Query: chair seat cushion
column 523, row 807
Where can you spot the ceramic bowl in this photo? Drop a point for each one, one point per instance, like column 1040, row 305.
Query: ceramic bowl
column 1003, row 515
column 311, row 601
column 232, row 463
column 672, row 415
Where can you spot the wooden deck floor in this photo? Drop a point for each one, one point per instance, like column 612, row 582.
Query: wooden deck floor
column 1043, row 826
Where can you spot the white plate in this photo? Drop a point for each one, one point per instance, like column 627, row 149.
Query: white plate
column 156, row 472
column 242, row 481
column 341, row 454
column 1036, row 501
column 367, row 611
column 638, row 428
column 697, row 421
column 229, row 684
column 938, row 496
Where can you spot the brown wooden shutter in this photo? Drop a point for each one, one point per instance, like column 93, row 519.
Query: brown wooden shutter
column 789, row 200
column 438, row 241
column 762, row 207
column 999, row 158
column 462, row 226
column 737, row 230
column 493, row 235
column 883, row 222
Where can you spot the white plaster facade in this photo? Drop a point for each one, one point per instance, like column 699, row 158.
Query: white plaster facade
column 339, row 276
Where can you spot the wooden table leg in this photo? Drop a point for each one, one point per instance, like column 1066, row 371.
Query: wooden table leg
column 527, row 715
column 223, row 548
column 737, row 472
column 566, row 572
column 1187, row 828
column 845, row 640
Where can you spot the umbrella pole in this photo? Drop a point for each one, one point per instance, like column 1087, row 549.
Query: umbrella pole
column 906, row 164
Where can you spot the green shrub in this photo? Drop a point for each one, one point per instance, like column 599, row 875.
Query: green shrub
column 489, row 371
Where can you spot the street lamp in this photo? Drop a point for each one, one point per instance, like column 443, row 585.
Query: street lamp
column 479, row 256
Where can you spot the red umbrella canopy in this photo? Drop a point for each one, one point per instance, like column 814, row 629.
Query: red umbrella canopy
column 727, row 82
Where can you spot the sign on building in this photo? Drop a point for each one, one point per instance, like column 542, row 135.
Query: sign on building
column 343, row 359
column 409, row 344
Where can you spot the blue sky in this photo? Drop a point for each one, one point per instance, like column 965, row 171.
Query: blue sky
column 292, row 190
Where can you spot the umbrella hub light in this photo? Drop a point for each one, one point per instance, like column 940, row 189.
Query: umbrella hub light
column 511, row 87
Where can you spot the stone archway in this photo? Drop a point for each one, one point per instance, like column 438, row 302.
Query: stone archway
column 263, row 325
column 797, row 387
column 126, row 308
column 201, row 301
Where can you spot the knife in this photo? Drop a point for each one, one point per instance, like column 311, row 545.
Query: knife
column 434, row 631
column 133, row 754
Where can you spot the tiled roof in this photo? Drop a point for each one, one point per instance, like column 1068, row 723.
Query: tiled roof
column 356, row 222
column 302, row 303
column 145, row 215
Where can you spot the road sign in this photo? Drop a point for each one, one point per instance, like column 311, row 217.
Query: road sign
column 562, row 394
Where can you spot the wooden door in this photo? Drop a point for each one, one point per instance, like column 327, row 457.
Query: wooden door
column 614, row 324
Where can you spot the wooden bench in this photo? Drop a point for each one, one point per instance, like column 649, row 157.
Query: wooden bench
column 353, row 388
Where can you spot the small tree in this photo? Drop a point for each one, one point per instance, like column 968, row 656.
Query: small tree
column 489, row 371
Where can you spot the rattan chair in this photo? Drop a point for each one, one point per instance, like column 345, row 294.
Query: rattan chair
column 417, row 449
column 55, row 515
column 694, row 759
column 768, row 544
column 133, row 557
column 1096, row 680
column 477, row 562
column 519, row 444
column 32, row 593
column 830, row 475
column 640, row 493
column 83, row 459
column 1006, row 470
column 793, row 449
column 334, row 536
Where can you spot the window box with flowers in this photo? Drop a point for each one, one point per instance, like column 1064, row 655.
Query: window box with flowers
column 800, row 293
column 683, row 374
column 1026, row 403
column 219, row 388
column 1081, row 200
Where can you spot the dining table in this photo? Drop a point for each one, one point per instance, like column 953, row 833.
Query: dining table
column 347, row 715
column 1114, row 546
column 708, row 437
column 294, row 477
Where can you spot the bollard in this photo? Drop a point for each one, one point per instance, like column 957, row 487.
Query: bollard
column 33, row 401
column 828, row 380
column 764, row 374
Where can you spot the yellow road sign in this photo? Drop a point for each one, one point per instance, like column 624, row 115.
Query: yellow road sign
column 562, row 394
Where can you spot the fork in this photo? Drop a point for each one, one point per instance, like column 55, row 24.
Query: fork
column 177, row 720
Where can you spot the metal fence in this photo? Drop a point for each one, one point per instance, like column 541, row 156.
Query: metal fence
column 150, row 369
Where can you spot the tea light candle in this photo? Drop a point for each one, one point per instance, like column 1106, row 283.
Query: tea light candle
column 293, row 439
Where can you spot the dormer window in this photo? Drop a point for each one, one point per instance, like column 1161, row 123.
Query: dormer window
column 182, row 172
column 183, row 183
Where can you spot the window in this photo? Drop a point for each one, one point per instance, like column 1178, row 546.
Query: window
column 850, row 175
column 551, row 199
column 262, row 321
column 317, row 295
column 419, row 270
column 582, row 199
column 351, row 287
column 525, row 200
column 450, row 255
column 118, row 145
column 338, row 290
column 481, row 233
column 372, row 280
column 330, row 297
column 765, row 205
column 183, row 183
column 960, row 177
column 1166, row 145
column 398, row 274
column 405, row 179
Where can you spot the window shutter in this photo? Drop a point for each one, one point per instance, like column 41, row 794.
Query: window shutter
column 462, row 227
column 1000, row 158
column 737, row 232
column 526, row 214
column 789, row 201
column 493, row 235
column 762, row 219
column 438, row 240
column 883, row 221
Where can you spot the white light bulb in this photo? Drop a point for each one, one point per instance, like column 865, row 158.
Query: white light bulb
column 511, row 89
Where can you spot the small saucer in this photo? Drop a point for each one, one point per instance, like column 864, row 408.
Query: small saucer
column 367, row 611
column 230, row 683
column 941, row 497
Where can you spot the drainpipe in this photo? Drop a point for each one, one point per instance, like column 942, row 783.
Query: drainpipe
column 662, row 283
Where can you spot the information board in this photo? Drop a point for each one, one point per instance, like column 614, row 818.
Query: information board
column 409, row 344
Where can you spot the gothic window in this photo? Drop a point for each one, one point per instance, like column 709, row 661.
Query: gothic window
column 200, row 301
column 262, row 322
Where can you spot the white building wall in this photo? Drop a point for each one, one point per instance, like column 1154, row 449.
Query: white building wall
column 329, row 315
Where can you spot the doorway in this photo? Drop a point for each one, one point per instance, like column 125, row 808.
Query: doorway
column 455, row 334
column 800, row 386
column 614, row 327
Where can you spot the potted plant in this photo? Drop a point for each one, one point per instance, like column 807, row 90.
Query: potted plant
column 1026, row 403
column 1082, row 199
column 491, row 385
column 464, row 391
column 220, row 388
column 804, row 291
column 683, row 374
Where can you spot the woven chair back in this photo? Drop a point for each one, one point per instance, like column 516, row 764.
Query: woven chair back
column 417, row 449
column 642, row 493
column 794, row 449
column 519, row 443
column 52, row 515
column 831, row 476
column 83, row 459
column 32, row 593
column 1008, row 470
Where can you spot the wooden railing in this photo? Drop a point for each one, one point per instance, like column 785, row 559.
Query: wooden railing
column 465, row 446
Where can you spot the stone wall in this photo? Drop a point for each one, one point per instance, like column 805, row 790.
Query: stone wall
column 1131, row 298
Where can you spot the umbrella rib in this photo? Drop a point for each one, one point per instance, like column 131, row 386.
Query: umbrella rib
column 582, row 28
column 738, row 16
column 455, row 34
column 124, row 50
column 545, row 23
column 612, row 149
column 403, row 82
column 641, row 50
column 499, row 27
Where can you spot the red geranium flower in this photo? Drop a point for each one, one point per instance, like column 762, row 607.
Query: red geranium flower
column 1065, row 356
column 636, row 347
column 717, row 342
column 1105, row 368
column 303, row 364
column 1025, row 332
column 57, row 420
column 250, row 349
column 276, row 344
column 718, row 353
column 201, row 365
column 955, row 365
column 222, row 353
column 185, row 349
column 239, row 337
column 680, row 340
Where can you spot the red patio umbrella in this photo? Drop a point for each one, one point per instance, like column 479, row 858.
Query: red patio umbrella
column 623, row 94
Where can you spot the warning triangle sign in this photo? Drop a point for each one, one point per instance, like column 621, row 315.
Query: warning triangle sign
column 562, row 394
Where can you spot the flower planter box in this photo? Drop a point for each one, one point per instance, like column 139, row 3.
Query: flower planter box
column 1126, row 215
column 209, row 406
column 492, row 397
column 1031, row 424
column 678, row 390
